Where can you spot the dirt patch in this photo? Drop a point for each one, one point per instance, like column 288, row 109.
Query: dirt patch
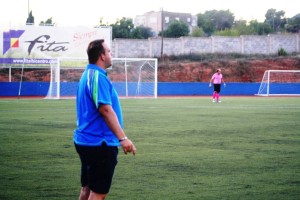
column 251, row 70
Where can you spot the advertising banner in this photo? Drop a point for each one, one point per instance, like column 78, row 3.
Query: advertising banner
column 50, row 41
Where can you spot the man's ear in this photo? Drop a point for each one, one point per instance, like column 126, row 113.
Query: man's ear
column 102, row 56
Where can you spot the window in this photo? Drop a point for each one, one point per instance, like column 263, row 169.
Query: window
column 167, row 20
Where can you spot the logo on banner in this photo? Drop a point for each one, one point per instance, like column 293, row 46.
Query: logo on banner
column 44, row 45
column 11, row 39
column 31, row 41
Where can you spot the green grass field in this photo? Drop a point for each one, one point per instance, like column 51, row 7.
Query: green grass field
column 187, row 148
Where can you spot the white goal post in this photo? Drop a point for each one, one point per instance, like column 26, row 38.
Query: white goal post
column 280, row 82
column 26, row 76
column 131, row 77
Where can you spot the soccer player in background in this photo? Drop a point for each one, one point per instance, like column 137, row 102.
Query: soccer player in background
column 217, row 80
column 99, row 129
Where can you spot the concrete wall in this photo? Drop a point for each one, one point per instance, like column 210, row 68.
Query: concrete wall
column 137, row 48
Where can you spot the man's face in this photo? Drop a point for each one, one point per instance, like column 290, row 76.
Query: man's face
column 108, row 56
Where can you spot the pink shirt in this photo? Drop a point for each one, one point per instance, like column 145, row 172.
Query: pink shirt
column 217, row 78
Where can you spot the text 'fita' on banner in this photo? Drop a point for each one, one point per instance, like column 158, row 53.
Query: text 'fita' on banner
column 49, row 41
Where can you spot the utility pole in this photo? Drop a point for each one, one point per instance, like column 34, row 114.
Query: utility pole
column 28, row 7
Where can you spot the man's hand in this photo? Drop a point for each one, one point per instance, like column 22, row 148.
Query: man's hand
column 128, row 146
column 209, row 84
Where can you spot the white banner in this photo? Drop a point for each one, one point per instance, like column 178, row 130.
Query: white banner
column 50, row 41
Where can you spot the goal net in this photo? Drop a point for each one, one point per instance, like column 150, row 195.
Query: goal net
column 131, row 77
column 280, row 82
column 25, row 76
column 134, row 77
column 64, row 77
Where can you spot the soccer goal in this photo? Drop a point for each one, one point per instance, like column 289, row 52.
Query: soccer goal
column 131, row 77
column 134, row 77
column 26, row 76
column 280, row 82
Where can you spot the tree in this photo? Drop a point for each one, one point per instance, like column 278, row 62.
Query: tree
column 260, row 28
column 228, row 32
column 205, row 22
column 122, row 28
column 215, row 20
column 224, row 19
column 198, row 32
column 242, row 28
column 275, row 19
column 293, row 25
column 177, row 29
column 101, row 23
column 30, row 19
column 141, row 32
column 48, row 22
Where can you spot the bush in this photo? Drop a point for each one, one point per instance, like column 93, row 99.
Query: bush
column 282, row 52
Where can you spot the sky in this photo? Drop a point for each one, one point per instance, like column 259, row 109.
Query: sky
column 14, row 13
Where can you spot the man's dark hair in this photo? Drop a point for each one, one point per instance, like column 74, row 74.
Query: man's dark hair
column 94, row 50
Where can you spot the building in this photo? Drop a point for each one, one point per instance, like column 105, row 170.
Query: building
column 154, row 20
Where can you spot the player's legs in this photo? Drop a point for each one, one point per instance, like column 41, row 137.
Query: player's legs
column 84, row 193
column 87, row 194
column 217, row 97
column 217, row 89
column 214, row 96
column 98, row 164
column 95, row 196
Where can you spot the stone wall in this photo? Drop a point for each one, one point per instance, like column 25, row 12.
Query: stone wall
column 152, row 47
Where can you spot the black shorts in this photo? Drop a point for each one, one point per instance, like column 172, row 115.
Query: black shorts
column 217, row 87
column 97, row 166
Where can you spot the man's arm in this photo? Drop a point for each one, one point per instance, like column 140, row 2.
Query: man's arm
column 210, row 82
column 222, row 80
column 112, row 122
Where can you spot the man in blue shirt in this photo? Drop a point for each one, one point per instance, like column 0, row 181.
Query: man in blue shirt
column 99, row 129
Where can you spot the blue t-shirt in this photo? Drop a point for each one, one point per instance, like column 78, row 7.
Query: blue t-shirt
column 95, row 89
